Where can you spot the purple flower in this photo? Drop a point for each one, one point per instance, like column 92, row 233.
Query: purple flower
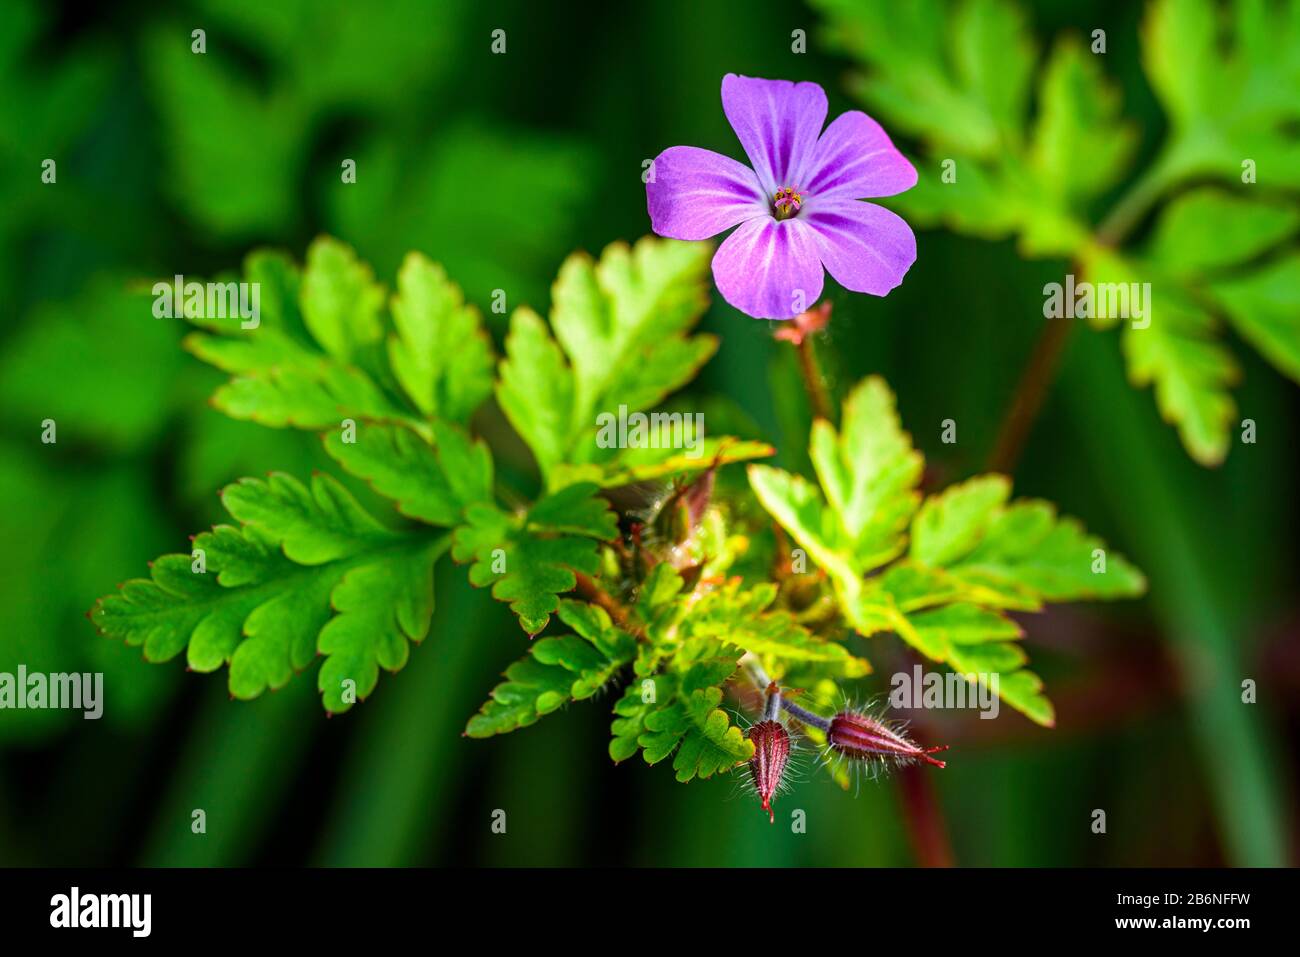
column 798, row 207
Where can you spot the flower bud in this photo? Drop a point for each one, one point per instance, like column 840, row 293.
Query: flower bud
column 859, row 736
column 771, row 752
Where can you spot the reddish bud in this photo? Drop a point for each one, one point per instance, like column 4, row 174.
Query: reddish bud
column 771, row 751
column 857, row 735
column 805, row 324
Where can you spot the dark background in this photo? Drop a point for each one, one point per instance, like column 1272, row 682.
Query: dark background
column 498, row 166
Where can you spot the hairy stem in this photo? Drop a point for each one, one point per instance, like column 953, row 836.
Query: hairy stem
column 618, row 612
column 804, row 716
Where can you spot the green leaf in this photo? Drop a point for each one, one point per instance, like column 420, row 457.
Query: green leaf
column 556, row 671
column 1264, row 307
column 308, row 571
column 1226, row 74
column 949, row 525
column 429, row 482
column 798, row 507
column 1178, row 353
column 1025, row 555
column 440, row 352
column 964, row 623
column 239, row 147
column 530, row 559
column 498, row 239
column 315, row 355
column 869, row 473
column 1191, row 372
column 963, row 88
column 1207, row 229
column 535, row 390
column 744, row 618
column 69, row 361
column 633, row 465
column 1080, row 148
column 341, row 302
column 684, row 718
column 1229, row 93
column 970, row 556
column 623, row 324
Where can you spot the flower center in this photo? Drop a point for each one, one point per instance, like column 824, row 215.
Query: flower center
column 786, row 202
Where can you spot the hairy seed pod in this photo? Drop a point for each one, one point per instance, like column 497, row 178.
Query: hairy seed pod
column 859, row 736
column 771, row 752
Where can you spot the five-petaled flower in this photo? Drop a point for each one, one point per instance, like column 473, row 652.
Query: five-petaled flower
column 798, row 209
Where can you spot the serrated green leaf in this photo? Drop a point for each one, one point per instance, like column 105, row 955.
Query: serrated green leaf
column 308, row 571
column 962, row 89
column 535, row 389
column 633, row 465
column 869, row 472
column 1027, row 546
column 684, row 718
column 440, row 352
column 556, row 671
column 315, row 356
column 1080, row 148
column 1178, row 353
column 626, row 317
column 950, row 524
column 744, row 618
column 623, row 324
column 341, row 302
column 1205, row 76
column 798, row 507
column 530, row 559
column 971, row 555
column 1017, row 686
column 430, row 482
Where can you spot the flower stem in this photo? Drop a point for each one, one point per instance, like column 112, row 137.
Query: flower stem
column 1139, row 198
column 805, row 716
column 925, row 823
column 813, row 381
column 618, row 612
column 1030, row 394
column 1040, row 372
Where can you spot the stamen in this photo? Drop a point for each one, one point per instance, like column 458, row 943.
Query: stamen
column 787, row 202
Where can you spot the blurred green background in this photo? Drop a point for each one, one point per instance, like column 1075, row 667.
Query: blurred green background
column 498, row 166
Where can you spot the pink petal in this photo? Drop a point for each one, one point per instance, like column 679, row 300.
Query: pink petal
column 769, row 269
column 777, row 122
column 865, row 247
column 855, row 159
column 698, row 193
